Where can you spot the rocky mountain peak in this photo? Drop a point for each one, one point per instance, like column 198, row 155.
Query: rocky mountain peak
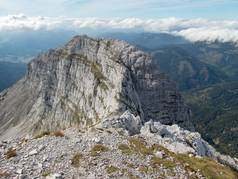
column 90, row 82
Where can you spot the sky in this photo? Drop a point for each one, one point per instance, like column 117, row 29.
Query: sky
column 212, row 9
column 196, row 20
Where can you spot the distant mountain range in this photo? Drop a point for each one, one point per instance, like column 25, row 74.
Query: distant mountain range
column 10, row 73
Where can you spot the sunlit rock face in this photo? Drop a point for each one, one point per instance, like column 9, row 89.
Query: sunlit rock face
column 86, row 82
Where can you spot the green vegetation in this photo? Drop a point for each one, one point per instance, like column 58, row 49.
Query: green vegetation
column 98, row 149
column 10, row 153
column 136, row 146
column 46, row 173
column 131, row 176
column 125, row 149
column 76, row 159
column 112, row 169
column 215, row 111
column 207, row 167
column 156, row 161
column 144, row 169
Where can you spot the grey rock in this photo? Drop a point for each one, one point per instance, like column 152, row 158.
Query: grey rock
column 19, row 171
column 86, row 82
column 159, row 154
column 180, row 140
column 33, row 152
column 55, row 176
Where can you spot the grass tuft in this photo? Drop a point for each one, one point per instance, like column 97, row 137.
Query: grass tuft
column 98, row 149
column 156, row 161
column 112, row 169
column 75, row 161
column 42, row 134
column 10, row 153
column 125, row 149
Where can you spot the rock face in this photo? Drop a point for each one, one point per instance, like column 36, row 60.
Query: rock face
column 86, row 82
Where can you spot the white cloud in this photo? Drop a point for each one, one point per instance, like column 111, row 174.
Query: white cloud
column 191, row 29
column 22, row 22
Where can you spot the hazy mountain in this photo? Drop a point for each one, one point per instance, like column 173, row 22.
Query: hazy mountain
column 221, row 55
column 185, row 69
column 147, row 40
column 10, row 73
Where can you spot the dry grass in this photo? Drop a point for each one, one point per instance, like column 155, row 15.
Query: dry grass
column 4, row 174
column 98, row 149
column 58, row 133
column 76, row 160
column 10, row 153
column 42, row 134
column 156, row 162
column 112, row 169
column 209, row 168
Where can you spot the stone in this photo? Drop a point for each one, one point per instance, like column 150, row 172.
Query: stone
column 159, row 154
column 19, row 171
column 33, row 152
column 55, row 176
column 41, row 147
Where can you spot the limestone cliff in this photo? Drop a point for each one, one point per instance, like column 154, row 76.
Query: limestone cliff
column 86, row 82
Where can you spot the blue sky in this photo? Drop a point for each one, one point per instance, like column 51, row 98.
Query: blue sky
column 211, row 9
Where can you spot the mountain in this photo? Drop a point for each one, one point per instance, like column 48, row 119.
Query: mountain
column 215, row 111
column 147, row 40
column 198, row 68
column 94, row 98
column 10, row 73
column 87, row 81
column 185, row 69
column 221, row 55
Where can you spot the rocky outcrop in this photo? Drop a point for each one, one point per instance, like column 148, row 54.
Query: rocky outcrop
column 86, row 82
column 108, row 153
column 179, row 140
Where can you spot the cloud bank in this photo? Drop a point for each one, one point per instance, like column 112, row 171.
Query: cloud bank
column 191, row 29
